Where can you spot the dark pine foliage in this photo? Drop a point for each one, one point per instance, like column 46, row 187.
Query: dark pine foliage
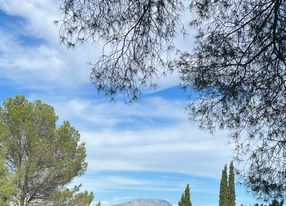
column 237, row 66
column 138, row 39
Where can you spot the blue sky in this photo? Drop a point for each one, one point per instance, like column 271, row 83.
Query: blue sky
column 148, row 149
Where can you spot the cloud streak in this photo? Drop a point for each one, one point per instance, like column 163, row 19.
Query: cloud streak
column 59, row 66
column 130, row 137
column 147, row 148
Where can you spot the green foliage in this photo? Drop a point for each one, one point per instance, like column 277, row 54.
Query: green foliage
column 41, row 157
column 272, row 203
column 139, row 32
column 276, row 203
column 186, row 197
column 237, row 67
column 98, row 204
column 72, row 197
column 231, row 186
column 238, row 70
column 223, row 192
column 227, row 187
column 6, row 187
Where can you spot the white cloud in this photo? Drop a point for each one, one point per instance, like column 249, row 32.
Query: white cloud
column 40, row 16
column 177, row 149
column 46, row 65
column 118, row 137
column 106, row 115
column 174, row 146
column 53, row 63
column 18, row 62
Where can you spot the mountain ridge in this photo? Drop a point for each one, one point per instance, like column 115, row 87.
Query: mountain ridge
column 145, row 202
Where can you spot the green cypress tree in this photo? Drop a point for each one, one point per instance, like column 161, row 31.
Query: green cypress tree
column 181, row 202
column 231, row 186
column 186, row 197
column 223, row 193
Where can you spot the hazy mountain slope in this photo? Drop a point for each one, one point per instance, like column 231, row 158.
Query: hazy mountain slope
column 145, row 202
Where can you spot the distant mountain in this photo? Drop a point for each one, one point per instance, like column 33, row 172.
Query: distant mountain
column 145, row 202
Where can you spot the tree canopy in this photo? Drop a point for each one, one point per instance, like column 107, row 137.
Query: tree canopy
column 223, row 191
column 227, row 196
column 71, row 197
column 186, row 197
column 41, row 157
column 138, row 38
column 237, row 67
column 6, row 186
column 231, row 186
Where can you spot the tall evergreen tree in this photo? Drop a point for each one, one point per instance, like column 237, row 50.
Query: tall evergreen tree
column 186, row 197
column 231, row 186
column 40, row 156
column 180, row 203
column 223, row 193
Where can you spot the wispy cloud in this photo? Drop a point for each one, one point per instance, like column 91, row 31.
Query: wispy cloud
column 131, row 137
column 143, row 145
column 39, row 17
column 46, row 65
column 145, row 149
column 51, row 64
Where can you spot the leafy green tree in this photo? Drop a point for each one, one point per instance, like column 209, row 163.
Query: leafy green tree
column 68, row 197
column 223, row 192
column 40, row 156
column 231, row 186
column 98, row 204
column 186, row 197
column 237, row 67
column 6, row 187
